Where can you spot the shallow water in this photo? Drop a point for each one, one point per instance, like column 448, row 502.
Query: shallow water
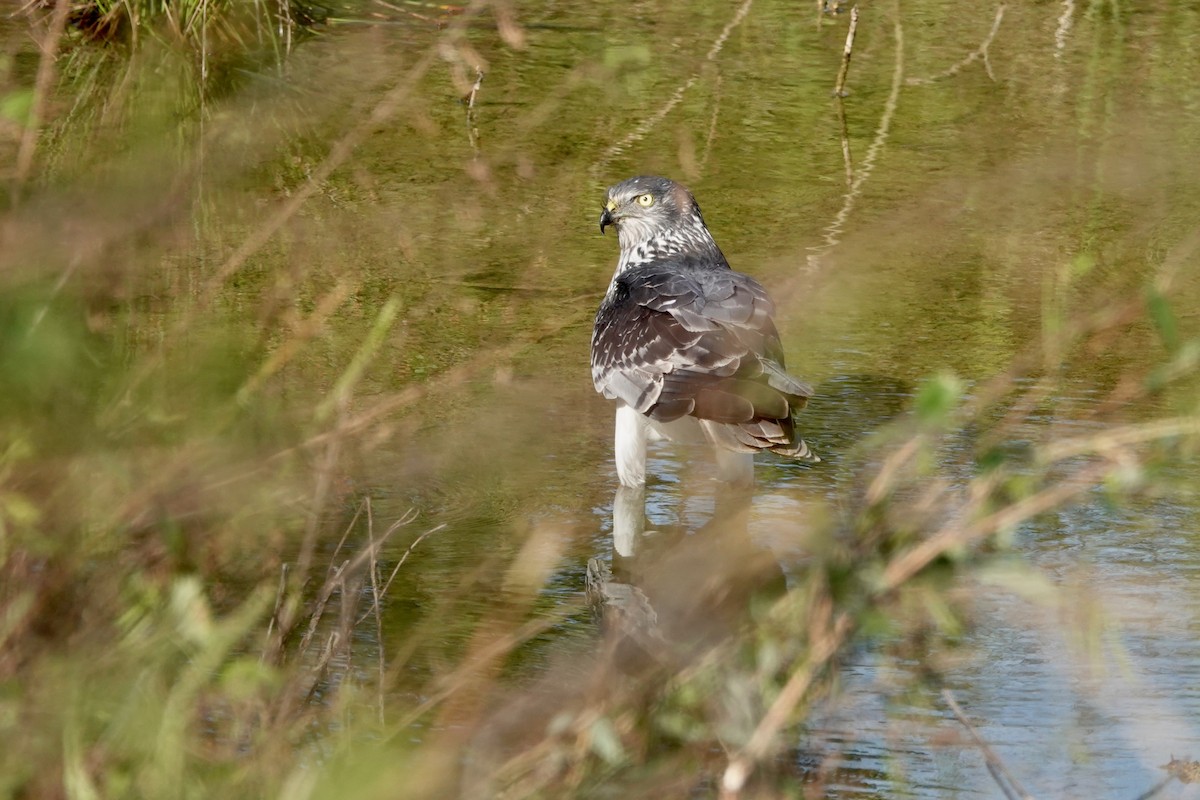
column 990, row 201
column 955, row 253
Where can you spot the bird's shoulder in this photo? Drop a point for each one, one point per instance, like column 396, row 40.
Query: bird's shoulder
column 679, row 315
column 683, row 284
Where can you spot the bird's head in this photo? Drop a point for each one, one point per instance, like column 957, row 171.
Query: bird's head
column 644, row 207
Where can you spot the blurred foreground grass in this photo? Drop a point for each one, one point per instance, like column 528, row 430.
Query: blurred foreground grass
column 193, row 585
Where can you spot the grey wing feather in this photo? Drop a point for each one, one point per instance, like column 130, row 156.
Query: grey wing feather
column 673, row 339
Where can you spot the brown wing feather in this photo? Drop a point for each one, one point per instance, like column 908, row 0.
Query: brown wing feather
column 677, row 338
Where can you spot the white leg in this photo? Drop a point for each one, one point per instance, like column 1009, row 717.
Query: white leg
column 629, row 519
column 735, row 468
column 629, row 443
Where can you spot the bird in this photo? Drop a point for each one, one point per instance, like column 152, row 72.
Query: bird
column 685, row 345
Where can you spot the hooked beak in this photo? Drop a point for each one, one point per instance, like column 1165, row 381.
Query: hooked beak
column 606, row 216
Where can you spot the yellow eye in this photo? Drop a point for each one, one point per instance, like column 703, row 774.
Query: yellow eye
column 645, row 200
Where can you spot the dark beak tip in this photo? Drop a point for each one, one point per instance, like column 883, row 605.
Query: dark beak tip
column 605, row 220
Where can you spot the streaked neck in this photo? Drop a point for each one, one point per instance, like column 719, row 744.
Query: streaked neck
column 641, row 246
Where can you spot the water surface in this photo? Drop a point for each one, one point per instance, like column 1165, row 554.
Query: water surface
column 999, row 199
column 986, row 205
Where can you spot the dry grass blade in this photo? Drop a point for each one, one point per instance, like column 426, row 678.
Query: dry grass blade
column 332, row 584
column 275, row 632
column 651, row 122
column 383, row 111
column 912, row 561
column 472, row 126
column 380, row 645
column 1111, row 442
column 304, row 331
column 480, row 660
column 825, row 641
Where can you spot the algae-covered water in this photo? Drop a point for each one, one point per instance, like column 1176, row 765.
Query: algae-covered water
column 992, row 174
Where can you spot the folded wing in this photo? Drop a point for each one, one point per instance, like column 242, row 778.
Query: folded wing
column 677, row 338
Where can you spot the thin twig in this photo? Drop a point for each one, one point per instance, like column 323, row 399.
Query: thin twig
column 285, row 624
column 408, row 517
column 303, row 331
column 839, row 92
column 349, row 527
column 334, row 581
column 356, row 563
column 1008, row 784
column 666, row 108
column 980, row 52
column 379, row 648
column 447, row 685
column 820, row 652
column 323, row 481
column 484, row 358
column 712, row 123
column 833, row 231
column 912, row 561
column 275, row 621
column 332, row 646
column 1156, row 788
column 1118, row 438
column 384, row 110
column 839, row 89
column 340, row 638
column 847, row 161
column 42, row 86
column 472, row 128
column 1065, row 20
column 475, row 88
column 407, row 553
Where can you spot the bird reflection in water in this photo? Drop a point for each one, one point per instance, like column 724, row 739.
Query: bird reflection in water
column 671, row 592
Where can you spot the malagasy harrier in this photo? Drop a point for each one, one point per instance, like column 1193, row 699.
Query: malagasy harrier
column 685, row 345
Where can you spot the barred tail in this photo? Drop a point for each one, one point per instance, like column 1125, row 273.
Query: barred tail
column 798, row 449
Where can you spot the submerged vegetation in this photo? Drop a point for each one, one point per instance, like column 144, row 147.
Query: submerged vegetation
column 197, row 24
column 298, row 455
